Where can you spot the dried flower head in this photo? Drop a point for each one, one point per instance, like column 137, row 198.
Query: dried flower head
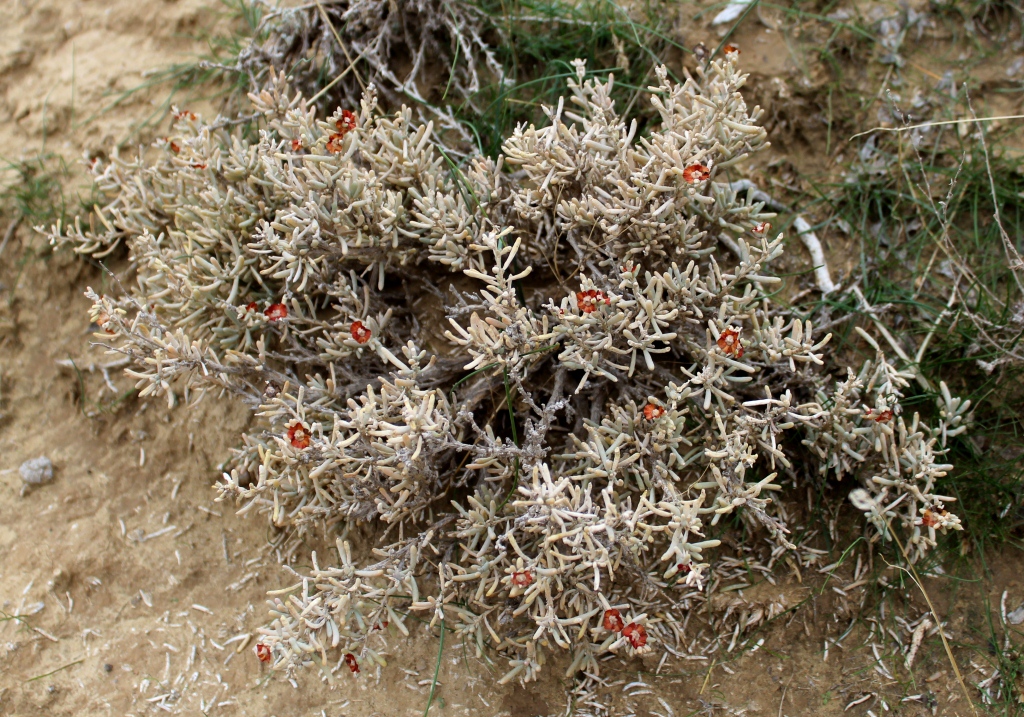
column 731, row 49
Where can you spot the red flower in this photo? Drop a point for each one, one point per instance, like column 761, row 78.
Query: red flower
column 360, row 332
column 174, row 147
column 696, row 173
column 729, row 49
column 251, row 306
column 684, row 568
column 185, row 114
column 298, row 435
column 884, row 417
column 350, row 660
column 103, row 321
column 522, row 579
column 380, row 625
column 334, row 143
column 636, row 634
column 347, row 123
column 296, row 145
column 586, row 301
column 276, row 312
column 262, row 652
column 763, row 228
column 729, row 342
column 653, row 411
column 613, row 620
column 198, row 165
column 928, row 519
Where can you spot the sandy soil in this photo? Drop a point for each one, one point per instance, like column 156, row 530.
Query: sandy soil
column 135, row 593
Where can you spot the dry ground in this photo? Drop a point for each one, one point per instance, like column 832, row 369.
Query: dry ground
column 135, row 592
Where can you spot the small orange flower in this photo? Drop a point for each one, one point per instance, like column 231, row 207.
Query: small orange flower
column 763, row 228
column 262, row 652
column 522, row 579
column 360, row 332
column 730, row 48
column 636, row 634
column 185, row 114
column 653, row 411
column 298, row 435
column 198, row 165
column 613, row 620
column 696, row 173
column 276, row 312
column 103, row 321
column 296, row 145
column 883, row 417
column 350, row 660
column 729, row 342
column 347, row 123
column 334, row 143
column 928, row 519
column 587, row 301
column 174, row 146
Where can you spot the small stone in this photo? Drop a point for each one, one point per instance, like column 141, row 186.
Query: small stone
column 37, row 471
column 1016, row 617
column 107, row 667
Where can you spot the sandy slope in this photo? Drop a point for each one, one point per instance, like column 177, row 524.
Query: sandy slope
column 129, row 581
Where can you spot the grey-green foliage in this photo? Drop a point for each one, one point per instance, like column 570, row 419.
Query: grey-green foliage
column 610, row 385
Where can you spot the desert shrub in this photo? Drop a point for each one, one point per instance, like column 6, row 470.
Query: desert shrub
column 553, row 445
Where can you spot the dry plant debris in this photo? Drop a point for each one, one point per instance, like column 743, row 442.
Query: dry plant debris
column 415, row 52
column 610, row 386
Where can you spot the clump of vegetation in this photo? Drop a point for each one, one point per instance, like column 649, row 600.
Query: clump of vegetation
column 432, row 55
column 616, row 391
